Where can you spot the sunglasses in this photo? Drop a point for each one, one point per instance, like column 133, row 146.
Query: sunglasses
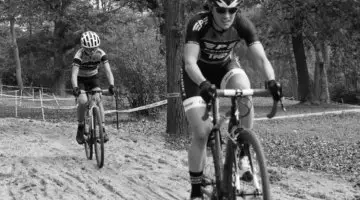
column 222, row 10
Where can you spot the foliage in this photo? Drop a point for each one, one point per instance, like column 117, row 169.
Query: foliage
column 318, row 21
column 138, row 64
column 327, row 143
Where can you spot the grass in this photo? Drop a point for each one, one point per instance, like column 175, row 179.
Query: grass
column 327, row 143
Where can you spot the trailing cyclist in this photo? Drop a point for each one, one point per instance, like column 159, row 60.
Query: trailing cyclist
column 209, row 64
column 85, row 77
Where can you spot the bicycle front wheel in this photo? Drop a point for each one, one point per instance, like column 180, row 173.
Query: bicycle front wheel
column 213, row 168
column 253, row 181
column 89, row 139
column 99, row 137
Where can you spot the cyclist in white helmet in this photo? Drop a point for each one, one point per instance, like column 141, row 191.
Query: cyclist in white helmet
column 210, row 63
column 85, row 77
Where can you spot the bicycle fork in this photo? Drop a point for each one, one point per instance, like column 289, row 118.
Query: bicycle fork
column 244, row 151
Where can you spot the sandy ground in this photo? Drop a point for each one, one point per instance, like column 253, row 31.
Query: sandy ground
column 41, row 160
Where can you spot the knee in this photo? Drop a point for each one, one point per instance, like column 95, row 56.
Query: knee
column 82, row 100
column 236, row 79
column 200, row 133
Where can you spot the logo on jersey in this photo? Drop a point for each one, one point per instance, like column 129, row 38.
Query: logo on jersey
column 209, row 45
column 217, row 51
column 200, row 23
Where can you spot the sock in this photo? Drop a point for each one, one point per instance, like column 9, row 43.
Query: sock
column 81, row 123
column 103, row 125
column 196, row 179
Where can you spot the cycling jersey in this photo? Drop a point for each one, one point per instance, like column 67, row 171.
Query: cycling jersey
column 215, row 59
column 89, row 64
column 216, row 46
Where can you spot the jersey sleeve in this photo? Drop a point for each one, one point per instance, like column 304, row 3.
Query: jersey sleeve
column 246, row 30
column 103, row 56
column 194, row 28
column 77, row 58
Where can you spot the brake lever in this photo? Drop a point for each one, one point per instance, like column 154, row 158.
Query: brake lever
column 282, row 105
column 274, row 108
column 207, row 111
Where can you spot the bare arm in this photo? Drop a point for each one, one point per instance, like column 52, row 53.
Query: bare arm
column 258, row 56
column 191, row 53
column 74, row 74
column 109, row 73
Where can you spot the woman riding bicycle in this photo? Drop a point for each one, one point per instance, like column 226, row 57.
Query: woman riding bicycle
column 209, row 64
column 85, row 77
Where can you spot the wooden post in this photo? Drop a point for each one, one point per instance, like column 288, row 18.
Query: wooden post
column 33, row 94
column 16, row 113
column 57, row 103
column 41, row 103
column 21, row 96
column 116, row 108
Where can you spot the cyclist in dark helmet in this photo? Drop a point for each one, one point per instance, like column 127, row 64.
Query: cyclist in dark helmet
column 210, row 63
column 85, row 77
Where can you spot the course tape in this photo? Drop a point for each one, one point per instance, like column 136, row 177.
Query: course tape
column 163, row 103
column 138, row 108
column 308, row 114
column 6, row 96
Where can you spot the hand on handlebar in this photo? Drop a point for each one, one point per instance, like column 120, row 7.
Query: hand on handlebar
column 275, row 89
column 207, row 91
column 76, row 91
column 112, row 89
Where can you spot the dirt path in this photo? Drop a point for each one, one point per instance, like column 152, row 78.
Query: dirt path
column 40, row 160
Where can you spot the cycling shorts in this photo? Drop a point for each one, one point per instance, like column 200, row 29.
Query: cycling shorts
column 215, row 73
column 88, row 83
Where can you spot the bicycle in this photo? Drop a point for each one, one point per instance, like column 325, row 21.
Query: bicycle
column 93, row 127
column 226, row 181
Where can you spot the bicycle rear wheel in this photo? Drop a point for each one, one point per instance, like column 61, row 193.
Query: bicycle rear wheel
column 89, row 139
column 246, row 144
column 99, row 137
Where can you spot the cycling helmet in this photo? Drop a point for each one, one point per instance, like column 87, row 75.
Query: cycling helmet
column 225, row 3
column 90, row 39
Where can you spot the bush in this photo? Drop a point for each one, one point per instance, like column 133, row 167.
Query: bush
column 139, row 66
column 342, row 95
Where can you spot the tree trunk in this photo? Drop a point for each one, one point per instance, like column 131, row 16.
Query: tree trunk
column 59, row 65
column 325, row 94
column 16, row 53
column 176, row 121
column 304, row 92
column 321, row 85
column 292, row 66
column 319, row 65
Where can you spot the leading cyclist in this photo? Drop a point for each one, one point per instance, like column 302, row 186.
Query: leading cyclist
column 209, row 64
column 85, row 77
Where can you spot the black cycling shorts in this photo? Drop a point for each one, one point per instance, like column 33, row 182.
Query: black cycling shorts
column 88, row 83
column 212, row 72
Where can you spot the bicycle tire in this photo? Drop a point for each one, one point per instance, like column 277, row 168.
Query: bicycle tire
column 216, row 151
column 98, row 137
column 89, row 140
column 245, row 137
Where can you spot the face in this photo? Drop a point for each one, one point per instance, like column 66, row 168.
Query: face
column 224, row 17
column 90, row 51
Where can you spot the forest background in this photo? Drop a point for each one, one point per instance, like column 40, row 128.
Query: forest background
column 313, row 45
